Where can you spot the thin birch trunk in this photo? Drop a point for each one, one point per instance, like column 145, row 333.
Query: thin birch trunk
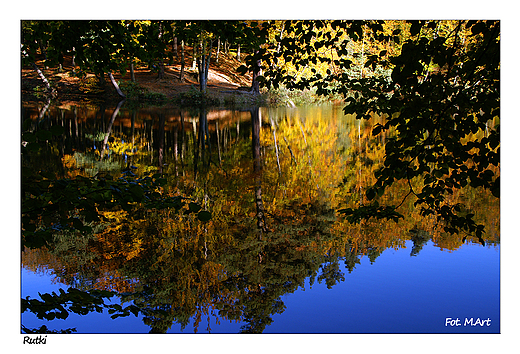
column 208, row 60
column 194, row 63
column 116, row 86
column 218, row 49
column 181, row 75
column 44, row 79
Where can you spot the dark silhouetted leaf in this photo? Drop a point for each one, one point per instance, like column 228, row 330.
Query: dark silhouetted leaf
column 204, row 215
column 194, row 207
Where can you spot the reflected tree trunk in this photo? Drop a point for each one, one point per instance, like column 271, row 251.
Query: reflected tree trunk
column 273, row 128
column 160, row 142
column 76, row 132
column 109, row 129
column 218, row 143
column 176, row 150
column 44, row 110
column 257, row 168
column 134, row 116
column 200, row 144
column 183, row 133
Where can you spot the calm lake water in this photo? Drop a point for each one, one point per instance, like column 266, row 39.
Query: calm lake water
column 275, row 257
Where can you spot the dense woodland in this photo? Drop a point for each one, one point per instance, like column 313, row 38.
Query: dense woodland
column 424, row 158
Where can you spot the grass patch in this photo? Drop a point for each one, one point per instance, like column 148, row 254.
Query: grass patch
column 285, row 97
column 133, row 91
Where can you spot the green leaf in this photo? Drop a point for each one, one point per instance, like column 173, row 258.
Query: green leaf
column 33, row 147
column 76, row 223
column 162, row 181
column 29, row 137
column 194, row 207
column 44, row 135
column 377, row 129
column 479, row 27
column 415, row 28
column 137, row 192
column 204, row 215
column 57, row 130
column 371, row 193
column 495, row 190
column 242, row 69
column 134, row 309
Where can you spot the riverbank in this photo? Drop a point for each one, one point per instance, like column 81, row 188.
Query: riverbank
column 226, row 87
column 69, row 83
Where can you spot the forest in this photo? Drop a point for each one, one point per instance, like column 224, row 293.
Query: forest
column 241, row 209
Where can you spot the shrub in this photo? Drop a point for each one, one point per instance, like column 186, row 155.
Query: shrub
column 133, row 91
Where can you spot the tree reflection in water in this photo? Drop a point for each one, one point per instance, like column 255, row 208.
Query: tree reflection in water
column 272, row 200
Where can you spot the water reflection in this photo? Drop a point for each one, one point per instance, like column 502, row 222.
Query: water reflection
column 272, row 180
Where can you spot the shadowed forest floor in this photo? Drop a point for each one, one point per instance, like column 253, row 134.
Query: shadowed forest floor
column 222, row 77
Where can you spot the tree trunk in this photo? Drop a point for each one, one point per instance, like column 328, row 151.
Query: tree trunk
column 218, row 49
column 238, row 52
column 42, row 49
column 160, row 72
column 116, row 86
column 132, row 73
column 208, row 60
column 362, row 65
column 175, row 51
column 181, row 76
column 203, row 63
column 280, row 40
column 255, row 84
column 194, row 63
column 101, row 80
column 44, row 79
